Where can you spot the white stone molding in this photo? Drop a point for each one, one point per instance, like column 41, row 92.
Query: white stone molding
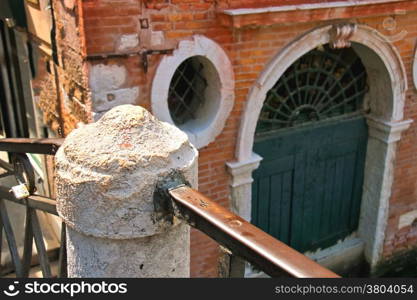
column 415, row 68
column 307, row 6
column 212, row 117
column 340, row 35
column 242, row 184
column 387, row 132
column 388, row 84
column 378, row 179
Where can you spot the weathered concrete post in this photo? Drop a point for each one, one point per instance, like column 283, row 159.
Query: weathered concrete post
column 106, row 175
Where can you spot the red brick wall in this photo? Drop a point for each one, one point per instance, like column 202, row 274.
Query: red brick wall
column 263, row 3
column 404, row 192
column 104, row 21
column 249, row 49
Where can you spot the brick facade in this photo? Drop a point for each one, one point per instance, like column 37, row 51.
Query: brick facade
column 92, row 32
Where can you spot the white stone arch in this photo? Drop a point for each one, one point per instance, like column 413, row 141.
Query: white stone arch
column 219, row 95
column 388, row 84
column 415, row 67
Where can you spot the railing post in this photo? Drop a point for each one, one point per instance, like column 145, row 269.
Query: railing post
column 106, row 175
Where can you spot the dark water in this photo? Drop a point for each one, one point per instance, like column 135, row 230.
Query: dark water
column 407, row 272
column 397, row 268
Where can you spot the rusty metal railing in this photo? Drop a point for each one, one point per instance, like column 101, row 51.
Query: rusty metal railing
column 38, row 146
column 243, row 240
column 21, row 168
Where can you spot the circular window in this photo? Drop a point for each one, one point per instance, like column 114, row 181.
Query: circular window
column 187, row 91
column 194, row 89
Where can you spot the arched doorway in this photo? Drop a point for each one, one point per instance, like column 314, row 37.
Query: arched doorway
column 387, row 86
column 312, row 136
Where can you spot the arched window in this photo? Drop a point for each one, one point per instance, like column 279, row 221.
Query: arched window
column 322, row 84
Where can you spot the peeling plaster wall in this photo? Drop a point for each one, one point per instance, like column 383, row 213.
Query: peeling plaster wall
column 107, row 84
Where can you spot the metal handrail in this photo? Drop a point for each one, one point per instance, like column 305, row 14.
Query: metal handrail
column 27, row 145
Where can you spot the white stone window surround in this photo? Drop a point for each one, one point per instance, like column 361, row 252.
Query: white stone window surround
column 212, row 116
column 388, row 85
column 415, row 67
column 307, row 6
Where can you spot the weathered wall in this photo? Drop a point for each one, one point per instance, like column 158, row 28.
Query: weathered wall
column 73, row 86
column 113, row 28
column 60, row 85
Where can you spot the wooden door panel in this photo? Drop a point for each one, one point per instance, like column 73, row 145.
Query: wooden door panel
column 307, row 190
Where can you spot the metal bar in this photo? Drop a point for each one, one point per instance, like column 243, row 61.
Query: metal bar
column 62, row 267
column 242, row 238
column 11, row 241
column 34, row 201
column 23, row 145
column 28, row 244
column 40, row 245
column 16, row 83
column 24, row 171
column 1, row 243
column 6, row 174
column 10, row 126
column 7, row 166
column 101, row 56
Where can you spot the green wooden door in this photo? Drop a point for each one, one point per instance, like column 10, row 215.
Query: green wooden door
column 308, row 188
column 312, row 136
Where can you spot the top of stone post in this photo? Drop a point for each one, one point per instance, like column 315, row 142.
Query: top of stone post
column 106, row 172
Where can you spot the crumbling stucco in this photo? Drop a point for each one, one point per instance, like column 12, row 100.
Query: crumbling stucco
column 128, row 42
column 107, row 88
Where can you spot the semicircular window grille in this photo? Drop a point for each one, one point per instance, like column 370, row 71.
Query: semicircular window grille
column 322, row 84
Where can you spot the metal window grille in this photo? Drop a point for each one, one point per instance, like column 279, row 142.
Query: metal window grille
column 322, row 84
column 187, row 91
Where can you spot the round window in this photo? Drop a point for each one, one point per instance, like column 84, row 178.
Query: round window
column 187, row 91
column 194, row 89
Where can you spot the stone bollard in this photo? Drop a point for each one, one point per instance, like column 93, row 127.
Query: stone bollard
column 106, row 173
